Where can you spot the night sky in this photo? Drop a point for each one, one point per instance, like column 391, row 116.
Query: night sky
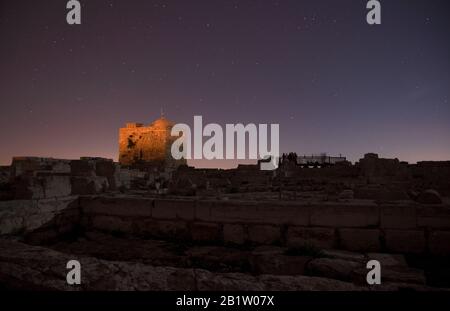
column 332, row 82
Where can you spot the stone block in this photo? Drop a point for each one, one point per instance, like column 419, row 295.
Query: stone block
column 388, row 260
column 56, row 205
column 360, row 240
column 319, row 237
column 405, row 241
column 345, row 255
column 82, row 168
column 111, row 224
column 105, row 168
column 109, row 169
column 429, row 196
column 260, row 212
column 174, row 209
column 349, row 215
column 205, row 232
column 398, row 217
column 161, row 229
column 203, row 210
column 42, row 186
column 234, row 234
column 87, row 185
column 27, row 165
column 56, row 186
column 28, row 187
column 127, row 206
column 264, row 234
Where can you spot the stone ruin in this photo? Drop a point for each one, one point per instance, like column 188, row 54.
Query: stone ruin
column 296, row 228
column 141, row 146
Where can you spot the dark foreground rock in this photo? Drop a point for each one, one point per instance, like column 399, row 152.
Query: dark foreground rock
column 33, row 267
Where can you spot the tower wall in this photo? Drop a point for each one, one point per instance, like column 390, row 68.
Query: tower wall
column 147, row 144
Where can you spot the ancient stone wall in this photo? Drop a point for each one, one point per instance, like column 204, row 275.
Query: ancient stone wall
column 147, row 144
column 45, row 178
column 358, row 226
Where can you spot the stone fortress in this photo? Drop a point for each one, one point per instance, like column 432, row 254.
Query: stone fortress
column 148, row 224
column 141, row 145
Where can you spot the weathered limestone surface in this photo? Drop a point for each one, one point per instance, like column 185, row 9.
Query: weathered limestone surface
column 22, row 216
column 33, row 165
column 31, row 267
column 84, row 185
column 339, row 269
column 273, row 260
column 42, row 186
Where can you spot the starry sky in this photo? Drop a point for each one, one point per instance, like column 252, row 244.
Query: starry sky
column 332, row 82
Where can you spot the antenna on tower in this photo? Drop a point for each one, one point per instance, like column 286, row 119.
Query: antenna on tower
column 162, row 112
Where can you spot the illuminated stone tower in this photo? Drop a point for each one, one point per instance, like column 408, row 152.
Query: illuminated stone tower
column 147, row 145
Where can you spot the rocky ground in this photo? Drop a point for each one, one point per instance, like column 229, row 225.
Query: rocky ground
column 121, row 263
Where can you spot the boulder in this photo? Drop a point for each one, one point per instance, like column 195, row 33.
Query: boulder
column 392, row 275
column 345, row 255
column 333, row 268
column 278, row 264
column 388, row 260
